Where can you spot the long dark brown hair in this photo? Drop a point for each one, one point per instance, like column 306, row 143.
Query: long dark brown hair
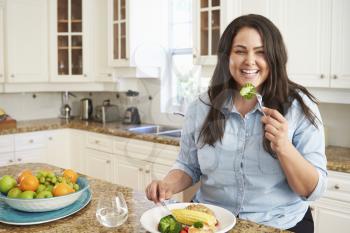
column 278, row 90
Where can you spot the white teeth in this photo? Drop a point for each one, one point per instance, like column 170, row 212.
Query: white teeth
column 250, row 71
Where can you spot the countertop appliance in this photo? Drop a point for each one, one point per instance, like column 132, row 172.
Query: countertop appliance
column 106, row 112
column 86, row 109
column 66, row 109
column 131, row 115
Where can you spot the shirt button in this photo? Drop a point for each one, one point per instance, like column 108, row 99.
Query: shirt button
column 241, row 165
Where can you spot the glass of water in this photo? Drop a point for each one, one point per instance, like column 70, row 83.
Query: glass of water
column 112, row 211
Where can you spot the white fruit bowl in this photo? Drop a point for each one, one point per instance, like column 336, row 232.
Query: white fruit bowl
column 46, row 204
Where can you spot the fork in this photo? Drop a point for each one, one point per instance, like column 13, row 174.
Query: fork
column 259, row 98
column 165, row 206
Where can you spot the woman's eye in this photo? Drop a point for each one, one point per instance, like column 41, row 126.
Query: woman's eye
column 260, row 52
column 240, row 52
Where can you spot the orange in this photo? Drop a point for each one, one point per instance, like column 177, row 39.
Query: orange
column 22, row 174
column 61, row 189
column 29, row 183
column 71, row 175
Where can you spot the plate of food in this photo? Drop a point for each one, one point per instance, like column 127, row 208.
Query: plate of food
column 188, row 217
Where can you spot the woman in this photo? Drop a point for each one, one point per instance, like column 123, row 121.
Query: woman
column 264, row 165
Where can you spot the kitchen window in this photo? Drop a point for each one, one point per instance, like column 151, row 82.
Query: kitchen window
column 182, row 84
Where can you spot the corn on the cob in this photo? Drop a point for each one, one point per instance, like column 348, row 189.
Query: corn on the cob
column 189, row 217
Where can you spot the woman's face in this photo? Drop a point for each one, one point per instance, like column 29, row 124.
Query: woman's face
column 247, row 59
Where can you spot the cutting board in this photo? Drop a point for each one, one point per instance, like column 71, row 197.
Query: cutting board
column 8, row 123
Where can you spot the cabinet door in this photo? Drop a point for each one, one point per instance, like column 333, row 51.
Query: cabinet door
column 99, row 164
column 69, row 40
column 7, row 158
column 308, row 45
column 100, row 42
column 31, row 156
column 130, row 173
column 58, row 152
column 27, row 40
column 77, row 140
column 207, row 15
column 118, row 32
column 2, row 74
column 340, row 73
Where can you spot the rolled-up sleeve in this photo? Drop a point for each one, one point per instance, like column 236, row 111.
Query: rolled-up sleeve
column 187, row 160
column 309, row 141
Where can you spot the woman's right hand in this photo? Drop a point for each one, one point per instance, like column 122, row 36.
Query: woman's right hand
column 158, row 191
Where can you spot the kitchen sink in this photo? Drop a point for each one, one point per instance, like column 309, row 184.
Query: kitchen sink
column 157, row 130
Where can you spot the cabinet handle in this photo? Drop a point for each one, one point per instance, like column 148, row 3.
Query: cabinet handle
column 322, row 76
column 108, row 161
column 336, row 186
column 50, row 138
column 31, row 141
column 85, row 75
column 19, row 159
column 140, row 169
column 147, row 171
column 97, row 141
column 335, row 76
column 12, row 75
column 10, row 161
column 109, row 75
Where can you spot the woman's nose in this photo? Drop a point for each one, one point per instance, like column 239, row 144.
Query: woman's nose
column 250, row 59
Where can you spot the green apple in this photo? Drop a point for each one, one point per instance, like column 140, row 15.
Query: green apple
column 76, row 187
column 14, row 192
column 44, row 194
column 6, row 183
column 27, row 195
column 40, row 188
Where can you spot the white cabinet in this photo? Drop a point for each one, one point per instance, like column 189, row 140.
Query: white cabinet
column 2, row 71
column 58, row 148
column 7, row 148
column 99, row 164
column 131, row 173
column 27, row 41
column 209, row 22
column 332, row 212
column 136, row 35
column 318, row 52
column 69, row 40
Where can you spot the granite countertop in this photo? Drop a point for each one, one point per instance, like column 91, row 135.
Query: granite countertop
column 338, row 157
column 85, row 220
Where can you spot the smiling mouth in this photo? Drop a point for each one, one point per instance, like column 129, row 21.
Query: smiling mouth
column 249, row 73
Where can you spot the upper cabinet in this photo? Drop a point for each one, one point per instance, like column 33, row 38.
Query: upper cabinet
column 315, row 33
column 137, row 33
column 208, row 25
column 2, row 72
column 69, row 40
column 26, row 38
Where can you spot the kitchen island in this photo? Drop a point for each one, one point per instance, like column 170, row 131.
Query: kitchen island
column 85, row 220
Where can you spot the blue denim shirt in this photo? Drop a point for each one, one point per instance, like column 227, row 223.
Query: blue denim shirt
column 239, row 175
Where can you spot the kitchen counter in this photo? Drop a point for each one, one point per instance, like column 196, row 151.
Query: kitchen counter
column 338, row 157
column 85, row 220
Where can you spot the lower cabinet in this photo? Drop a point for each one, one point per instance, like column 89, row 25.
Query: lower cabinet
column 58, row 151
column 99, row 164
column 332, row 212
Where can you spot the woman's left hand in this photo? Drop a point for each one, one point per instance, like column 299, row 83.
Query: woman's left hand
column 276, row 130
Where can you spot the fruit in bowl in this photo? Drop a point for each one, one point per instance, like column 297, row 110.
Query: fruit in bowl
column 43, row 191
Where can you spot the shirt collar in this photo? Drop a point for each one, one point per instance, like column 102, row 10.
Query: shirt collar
column 228, row 107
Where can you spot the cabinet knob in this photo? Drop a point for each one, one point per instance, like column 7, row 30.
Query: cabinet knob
column 31, row 141
column 85, row 75
column 50, row 138
column 140, row 169
column 109, row 75
column 335, row 76
column 322, row 76
column 147, row 171
column 10, row 161
column 12, row 75
column 108, row 161
column 97, row 141
column 194, row 56
column 0, row 75
column 336, row 186
column 19, row 159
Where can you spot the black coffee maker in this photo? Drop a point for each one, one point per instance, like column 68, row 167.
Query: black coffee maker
column 131, row 115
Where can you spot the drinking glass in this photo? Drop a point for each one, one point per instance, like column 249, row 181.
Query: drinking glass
column 112, row 211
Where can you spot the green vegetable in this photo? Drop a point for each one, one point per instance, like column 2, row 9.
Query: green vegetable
column 168, row 224
column 248, row 91
column 198, row 224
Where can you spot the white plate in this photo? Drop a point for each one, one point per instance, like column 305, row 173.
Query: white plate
column 151, row 218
